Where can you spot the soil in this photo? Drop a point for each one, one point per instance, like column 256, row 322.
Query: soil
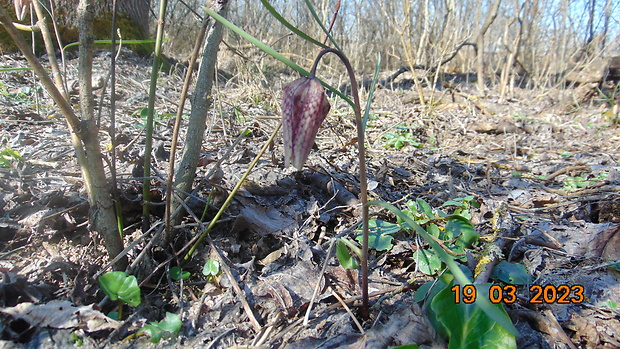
column 544, row 168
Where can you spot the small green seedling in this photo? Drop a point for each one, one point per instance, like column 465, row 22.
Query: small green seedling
column 166, row 328
column 76, row 339
column 577, row 182
column 119, row 285
column 454, row 230
column 211, row 270
column 400, row 138
column 176, row 274
column 8, row 157
column 143, row 115
column 342, row 252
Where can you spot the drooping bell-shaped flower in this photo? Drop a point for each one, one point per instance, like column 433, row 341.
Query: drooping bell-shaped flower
column 304, row 107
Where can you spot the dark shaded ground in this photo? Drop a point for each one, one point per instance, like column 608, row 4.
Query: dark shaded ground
column 520, row 158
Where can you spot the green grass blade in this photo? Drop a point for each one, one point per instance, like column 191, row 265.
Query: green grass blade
column 275, row 54
column 290, row 26
column 318, row 20
column 108, row 42
column 371, row 92
column 492, row 311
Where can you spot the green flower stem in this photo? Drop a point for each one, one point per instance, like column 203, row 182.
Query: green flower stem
column 318, row 20
column 275, row 54
column 362, row 160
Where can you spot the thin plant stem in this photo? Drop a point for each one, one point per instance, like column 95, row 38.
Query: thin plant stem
column 232, row 194
column 146, row 186
column 362, row 163
column 112, row 130
column 177, row 124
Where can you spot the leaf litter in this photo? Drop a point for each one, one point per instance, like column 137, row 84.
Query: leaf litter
column 547, row 180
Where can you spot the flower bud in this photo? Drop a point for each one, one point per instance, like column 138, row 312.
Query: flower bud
column 304, row 107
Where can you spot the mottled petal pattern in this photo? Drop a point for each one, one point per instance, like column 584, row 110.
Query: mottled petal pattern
column 304, row 107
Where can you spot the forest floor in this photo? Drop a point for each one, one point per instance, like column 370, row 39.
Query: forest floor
column 545, row 173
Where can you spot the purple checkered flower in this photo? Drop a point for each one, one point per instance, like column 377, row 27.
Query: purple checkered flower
column 304, row 107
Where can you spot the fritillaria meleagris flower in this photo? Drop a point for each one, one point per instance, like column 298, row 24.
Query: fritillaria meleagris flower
column 304, row 107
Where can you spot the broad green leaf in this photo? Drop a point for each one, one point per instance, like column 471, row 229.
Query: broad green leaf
column 428, row 290
column 130, row 292
column 511, row 273
column 169, row 326
column 467, row 325
column 425, row 207
column 407, row 346
column 492, row 311
column 433, row 230
column 152, row 331
column 344, row 256
column 117, row 285
column 171, row 323
column 379, row 236
column 270, row 51
column 211, row 268
column 176, row 273
column 461, row 227
column 454, row 203
column 427, row 261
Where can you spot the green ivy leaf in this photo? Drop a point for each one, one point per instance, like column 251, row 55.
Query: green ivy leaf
column 426, row 208
column 118, row 285
column 379, row 236
column 344, row 256
column 461, row 227
column 176, row 273
column 428, row 262
column 467, row 325
column 169, row 326
column 211, row 268
column 511, row 273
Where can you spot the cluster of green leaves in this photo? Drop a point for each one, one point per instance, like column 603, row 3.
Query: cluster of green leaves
column 120, row 286
column 124, row 288
column 577, row 182
column 401, row 137
column 455, row 229
column 449, row 232
column 166, row 328
column 8, row 157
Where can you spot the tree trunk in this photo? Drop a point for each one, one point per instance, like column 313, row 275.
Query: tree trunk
column 201, row 102
column 490, row 18
column 133, row 21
